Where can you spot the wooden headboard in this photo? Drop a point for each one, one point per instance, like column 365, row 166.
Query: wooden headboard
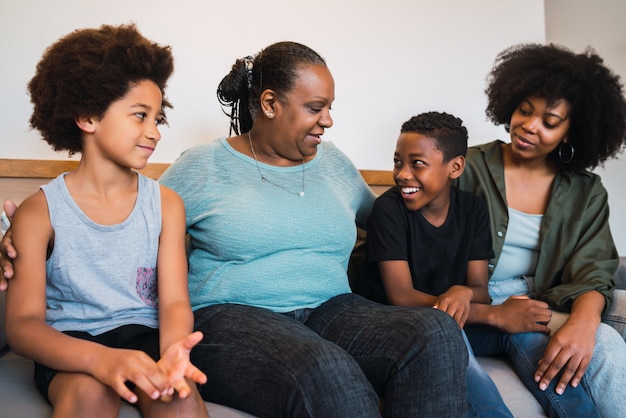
column 21, row 178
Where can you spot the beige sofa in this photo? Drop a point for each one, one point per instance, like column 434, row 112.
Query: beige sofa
column 20, row 399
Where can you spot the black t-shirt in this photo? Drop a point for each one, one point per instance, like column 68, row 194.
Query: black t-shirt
column 437, row 256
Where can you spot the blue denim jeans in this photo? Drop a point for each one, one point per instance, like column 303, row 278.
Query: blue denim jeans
column 615, row 314
column 483, row 397
column 525, row 350
column 333, row 361
column 605, row 378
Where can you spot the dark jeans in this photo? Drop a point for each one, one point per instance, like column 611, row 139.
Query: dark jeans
column 333, row 361
column 525, row 350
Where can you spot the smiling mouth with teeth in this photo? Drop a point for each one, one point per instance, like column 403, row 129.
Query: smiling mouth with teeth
column 410, row 190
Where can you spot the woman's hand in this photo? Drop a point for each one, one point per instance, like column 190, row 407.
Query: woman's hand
column 456, row 303
column 522, row 314
column 569, row 349
column 175, row 363
column 572, row 345
column 7, row 251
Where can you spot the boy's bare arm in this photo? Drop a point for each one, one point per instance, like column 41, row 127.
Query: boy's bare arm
column 477, row 279
column 175, row 315
column 396, row 276
column 398, row 283
column 26, row 301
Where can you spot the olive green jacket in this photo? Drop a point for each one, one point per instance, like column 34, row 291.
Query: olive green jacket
column 577, row 253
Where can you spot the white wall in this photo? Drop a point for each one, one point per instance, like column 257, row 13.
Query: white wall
column 600, row 24
column 390, row 59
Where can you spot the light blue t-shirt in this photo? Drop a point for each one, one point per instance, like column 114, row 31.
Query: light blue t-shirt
column 518, row 260
column 257, row 244
column 100, row 277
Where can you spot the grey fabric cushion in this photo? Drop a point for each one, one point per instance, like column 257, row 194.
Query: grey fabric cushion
column 519, row 400
column 17, row 389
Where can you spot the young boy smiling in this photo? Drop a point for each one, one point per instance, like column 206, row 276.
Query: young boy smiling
column 428, row 242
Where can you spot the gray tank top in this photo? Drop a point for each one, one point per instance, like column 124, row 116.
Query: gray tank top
column 100, row 277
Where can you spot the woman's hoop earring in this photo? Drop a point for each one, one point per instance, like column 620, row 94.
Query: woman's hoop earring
column 570, row 153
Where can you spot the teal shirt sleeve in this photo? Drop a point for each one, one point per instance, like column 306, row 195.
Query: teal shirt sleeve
column 577, row 252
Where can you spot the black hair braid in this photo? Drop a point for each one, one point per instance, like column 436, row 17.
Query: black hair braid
column 234, row 92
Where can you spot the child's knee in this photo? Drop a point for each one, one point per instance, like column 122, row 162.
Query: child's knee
column 192, row 406
column 79, row 395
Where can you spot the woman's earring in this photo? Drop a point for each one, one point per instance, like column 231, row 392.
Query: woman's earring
column 270, row 114
column 569, row 155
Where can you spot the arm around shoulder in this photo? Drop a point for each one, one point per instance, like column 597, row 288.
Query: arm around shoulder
column 7, row 251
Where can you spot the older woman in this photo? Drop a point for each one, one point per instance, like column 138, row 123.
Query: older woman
column 271, row 215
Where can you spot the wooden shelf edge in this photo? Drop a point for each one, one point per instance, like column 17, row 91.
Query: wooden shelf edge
column 48, row 169
column 21, row 168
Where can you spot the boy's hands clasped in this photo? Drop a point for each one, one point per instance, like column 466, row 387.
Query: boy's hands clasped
column 159, row 380
column 177, row 366
column 456, row 303
column 118, row 366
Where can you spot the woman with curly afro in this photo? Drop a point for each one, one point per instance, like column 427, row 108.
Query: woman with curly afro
column 566, row 114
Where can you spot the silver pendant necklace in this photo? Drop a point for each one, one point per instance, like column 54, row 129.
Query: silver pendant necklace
column 265, row 179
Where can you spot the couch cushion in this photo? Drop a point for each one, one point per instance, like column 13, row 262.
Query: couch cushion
column 519, row 400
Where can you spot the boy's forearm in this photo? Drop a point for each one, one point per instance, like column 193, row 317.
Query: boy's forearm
column 482, row 313
column 28, row 336
column 413, row 298
column 480, row 294
column 175, row 323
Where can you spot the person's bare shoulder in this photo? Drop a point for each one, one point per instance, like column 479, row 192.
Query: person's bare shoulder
column 171, row 201
column 31, row 207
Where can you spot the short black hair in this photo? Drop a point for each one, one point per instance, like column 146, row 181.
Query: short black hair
column 447, row 130
column 594, row 93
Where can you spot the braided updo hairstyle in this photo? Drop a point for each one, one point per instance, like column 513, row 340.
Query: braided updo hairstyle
column 275, row 68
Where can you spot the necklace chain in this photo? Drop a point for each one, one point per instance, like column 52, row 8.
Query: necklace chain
column 265, row 179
